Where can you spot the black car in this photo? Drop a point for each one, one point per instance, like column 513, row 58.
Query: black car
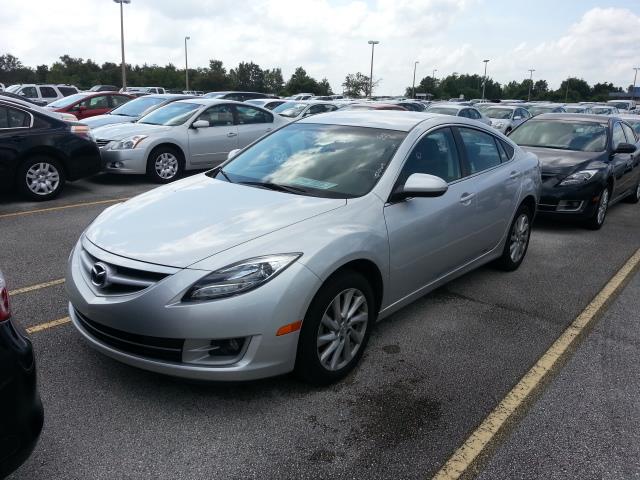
column 21, row 414
column 34, row 101
column 588, row 163
column 39, row 152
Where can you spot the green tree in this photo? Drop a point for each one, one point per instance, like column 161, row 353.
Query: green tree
column 273, row 81
column 324, row 87
column 356, row 85
column 300, row 82
column 247, row 76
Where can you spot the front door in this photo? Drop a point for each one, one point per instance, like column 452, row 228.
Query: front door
column 622, row 163
column 430, row 237
column 210, row 146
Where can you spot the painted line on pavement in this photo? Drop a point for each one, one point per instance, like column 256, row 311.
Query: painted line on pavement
column 45, row 326
column 31, row 288
column 62, row 207
column 463, row 458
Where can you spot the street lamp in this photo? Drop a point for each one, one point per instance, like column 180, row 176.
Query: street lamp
column 415, row 64
column 531, row 70
column 373, row 43
column 124, row 65
column 186, row 63
column 635, row 77
column 484, row 82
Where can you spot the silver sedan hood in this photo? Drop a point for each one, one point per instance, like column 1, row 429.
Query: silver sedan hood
column 124, row 130
column 102, row 120
column 190, row 220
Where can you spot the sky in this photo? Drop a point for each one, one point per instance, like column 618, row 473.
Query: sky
column 595, row 40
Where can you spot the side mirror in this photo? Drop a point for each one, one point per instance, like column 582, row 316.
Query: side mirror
column 200, row 124
column 421, row 185
column 625, row 148
column 233, row 153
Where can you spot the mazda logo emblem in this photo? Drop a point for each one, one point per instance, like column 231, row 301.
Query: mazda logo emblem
column 99, row 275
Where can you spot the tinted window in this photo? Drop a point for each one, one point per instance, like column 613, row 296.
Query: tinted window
column 561, row 135
column 474, row 114
column 48, row 92
column 324, row 160
column 629, row 133
column 509, row 150
column 465, row 113
column 238, row 97
column 11, row 118
column 248, row 115
column 435, row 154
column 101, row 101
column 66, row 91
column 482, row 152
column 618, row 136
column 117, row 100
column 29, row 92
column 218, row 116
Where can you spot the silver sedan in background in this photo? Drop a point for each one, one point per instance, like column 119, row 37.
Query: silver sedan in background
column 184, row 135
column 285, row 256
column 292, row 111
column 506, row 118
column 458, row 110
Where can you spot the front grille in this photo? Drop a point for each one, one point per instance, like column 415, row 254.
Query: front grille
column 102, row 143
column 141, row 345
column 120, row 280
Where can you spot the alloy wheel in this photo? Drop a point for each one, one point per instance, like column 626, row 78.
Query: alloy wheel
column 166, row 165
column 43, row 178
column 602, row 206
column 519, row 237
column 342, row 329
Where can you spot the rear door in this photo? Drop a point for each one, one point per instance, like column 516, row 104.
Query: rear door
column 48, row 94
column 430, row 237
column 210, row 146
column 622, row 163
column 252, row 123
column 497, row 178
column 634, row 168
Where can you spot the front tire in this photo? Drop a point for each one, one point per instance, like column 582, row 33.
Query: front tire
column 596, row 221
column 515, row 248
column 164, row 165
column 336, row 329
column 41, row 178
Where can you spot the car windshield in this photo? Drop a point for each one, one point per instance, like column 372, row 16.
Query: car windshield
column 601, row 110
column 563, row 135
column 138, row 106
column 215, row 95
column 290, row 109
column 66, row 101
column 499, row 113
column 13, row 88
column 171, row 115
column 444, row 110
column 538, row 110
column 331, row 161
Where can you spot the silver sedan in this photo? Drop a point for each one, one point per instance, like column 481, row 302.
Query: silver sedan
column 506, row 118
column 184, row 135
column 459, row 110
column 284, row 257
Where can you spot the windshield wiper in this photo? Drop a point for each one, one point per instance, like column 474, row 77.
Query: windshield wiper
column 279, row 187
column 224, row 175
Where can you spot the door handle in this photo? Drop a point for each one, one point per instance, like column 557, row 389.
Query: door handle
column 514, row 175
column 466, row 198
column 231, row 134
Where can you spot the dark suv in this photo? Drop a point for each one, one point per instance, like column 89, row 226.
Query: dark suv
column 39, row 152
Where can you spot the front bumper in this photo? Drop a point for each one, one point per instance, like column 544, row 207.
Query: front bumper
column 577, row 201
column 155, row 317
column 124, row 161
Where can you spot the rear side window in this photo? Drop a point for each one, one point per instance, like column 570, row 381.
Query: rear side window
column 482, row 151
column 11, row 118
column 48, row 92
column 630, row 134
column 248, row 115
column 66, row 91
column 508, row 148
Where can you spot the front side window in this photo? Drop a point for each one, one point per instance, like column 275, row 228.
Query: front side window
column 435, row 154
column 618, row 136
column 171, row 115
column 29, row 92
column 481, row 148
column 561, row 135
column 249, row 115
column 330, row 161
column 11, row 118
column 218, row 116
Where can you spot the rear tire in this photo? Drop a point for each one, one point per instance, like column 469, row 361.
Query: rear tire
column 336, row 329
column 634, row 197
column 517, row 244
column 41, row 178
column 165, row 164
column 596, row 221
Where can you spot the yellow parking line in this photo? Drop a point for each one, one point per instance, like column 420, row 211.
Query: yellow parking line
column 52, row 283
column 62, row 207
column 48, row 325
column 466, row 455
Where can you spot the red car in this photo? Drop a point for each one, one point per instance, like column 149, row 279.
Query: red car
column 89, row 104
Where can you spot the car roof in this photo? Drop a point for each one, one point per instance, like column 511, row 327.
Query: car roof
column 578, row 117
column 449, row 105
column 385, row 119
column 210, row 101
column 170, row 96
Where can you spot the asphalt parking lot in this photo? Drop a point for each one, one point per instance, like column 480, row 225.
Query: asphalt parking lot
column 432, row 372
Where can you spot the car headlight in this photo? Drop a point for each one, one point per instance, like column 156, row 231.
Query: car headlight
column 239, row 277
column 499, row 124
column 578, row 177
column 128, row 143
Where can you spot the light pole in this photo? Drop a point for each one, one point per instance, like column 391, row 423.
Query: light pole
column 484, row 82
column 186, row 63
column 124, row 65
column 415, row 64
column 531, row 70
column 373, row 43
column 635, row 77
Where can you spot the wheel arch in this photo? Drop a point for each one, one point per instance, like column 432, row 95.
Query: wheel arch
column 43, row 150
column 172, row 145
column 370, row 271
